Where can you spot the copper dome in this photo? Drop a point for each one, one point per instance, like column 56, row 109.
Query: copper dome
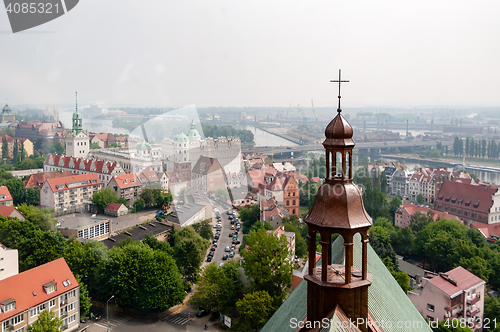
column 339, row 132
column 339, row 204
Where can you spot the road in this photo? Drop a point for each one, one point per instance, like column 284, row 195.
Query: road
column 224, row 240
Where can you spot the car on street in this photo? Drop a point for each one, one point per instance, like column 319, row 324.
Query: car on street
column 232, row 226
column 236, row 242
column 229, row 212
column 233, row 246
column 231, row 255
column 225, row 257
column 217, row 236
column 230, row 217
column 209, row 259
column 202, row 313
column 227, row 249
column 221, row 264
column 216, row 244
column 212, row 248
column 230, row 234
column 232, row 222
column 211, row 254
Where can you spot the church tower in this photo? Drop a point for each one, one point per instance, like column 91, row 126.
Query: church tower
column 77, row 141
column 338, row 209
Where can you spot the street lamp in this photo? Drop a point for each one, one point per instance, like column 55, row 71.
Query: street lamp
column 107, row 310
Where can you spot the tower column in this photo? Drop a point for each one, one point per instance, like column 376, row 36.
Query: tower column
column 324, row 257
column 312, row 251
column 348, row 249
column 364, row 256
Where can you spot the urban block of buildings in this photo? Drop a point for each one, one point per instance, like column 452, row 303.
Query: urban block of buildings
column 51, row 286
column 454, row 294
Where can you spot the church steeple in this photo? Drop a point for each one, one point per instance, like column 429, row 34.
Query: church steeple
column 77, row 117
column 338, row 209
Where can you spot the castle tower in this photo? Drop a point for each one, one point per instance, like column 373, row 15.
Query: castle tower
column 338, row 209
column 77, row 141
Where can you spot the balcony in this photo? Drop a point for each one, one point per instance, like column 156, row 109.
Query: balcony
column 473, row 300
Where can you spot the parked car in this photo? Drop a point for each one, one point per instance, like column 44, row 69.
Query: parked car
column 225, row 257
column 230, row 217
column 229, row 212
column 216, row 244
column 237, row 242
column 209, row 259
column 230, row 234
column 211, row 254
column 233, row 246
column 231, row 255
column 232, row 226
column 217, row 236
column 202, row 313
column 212, row 248
column 227, row 249
column 221, row 264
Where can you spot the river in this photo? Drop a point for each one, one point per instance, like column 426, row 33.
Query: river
column 261, row 138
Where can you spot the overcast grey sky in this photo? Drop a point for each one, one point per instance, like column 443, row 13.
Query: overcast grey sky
column 258, row 53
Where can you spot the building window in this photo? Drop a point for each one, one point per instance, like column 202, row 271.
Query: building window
column 33, row 312
column 430, row 307
column 287, row 203
column 52, row 303
column 293, row 203
column 294, row 194
column 18, row 319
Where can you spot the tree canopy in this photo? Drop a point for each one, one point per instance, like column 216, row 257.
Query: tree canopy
column 140, row 277
column 267, row 264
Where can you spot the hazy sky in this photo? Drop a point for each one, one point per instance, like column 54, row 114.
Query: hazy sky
column 258, row 53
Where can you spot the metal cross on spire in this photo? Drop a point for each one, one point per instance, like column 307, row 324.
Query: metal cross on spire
column 76, row 100
column 339, row 81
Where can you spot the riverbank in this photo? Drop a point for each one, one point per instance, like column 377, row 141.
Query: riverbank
column 279, row 134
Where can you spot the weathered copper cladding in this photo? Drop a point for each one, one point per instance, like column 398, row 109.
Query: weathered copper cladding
column 338, row 202
column 339, row 133
column 338, row 208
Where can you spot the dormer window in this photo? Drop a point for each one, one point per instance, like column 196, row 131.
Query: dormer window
column 8, row 305
column 50, row 287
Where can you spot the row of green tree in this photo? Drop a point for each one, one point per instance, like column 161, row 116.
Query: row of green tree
column 479, row 149
column 149, row 198
column 215, row 131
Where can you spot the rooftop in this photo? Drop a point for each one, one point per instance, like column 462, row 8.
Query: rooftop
column 78, row 221
column 26, row 288
column 455, row 281
column 137, row 234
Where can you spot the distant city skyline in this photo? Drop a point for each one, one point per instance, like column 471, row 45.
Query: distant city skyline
column 258, row 54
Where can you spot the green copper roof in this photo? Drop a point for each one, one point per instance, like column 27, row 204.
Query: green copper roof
column 6, row 110
column 386, row 300
column 193, row 132
column 181, row 137
column 143, row 145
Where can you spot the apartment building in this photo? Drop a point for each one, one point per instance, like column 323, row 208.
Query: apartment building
column 50, row 286
column 68, row 194
column 471, row 203
column 5, row 196
column 9, row 262
column 403, row 215
column 127, row 186
column 455, row 294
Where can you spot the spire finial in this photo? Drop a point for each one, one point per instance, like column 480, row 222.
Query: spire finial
column 339, row 81
column 76, row 100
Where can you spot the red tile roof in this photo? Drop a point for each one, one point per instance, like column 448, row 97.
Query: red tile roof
column 4, row 191
column 59, row 184
column 6, row 211
column 113, row 207
column 21, row 287
column 89, row 165
column 175, row 177
column 127, row 180
column 412, row 209
column 37, row 180
column 466, row 196
column 464, row 280
column 148, row 176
